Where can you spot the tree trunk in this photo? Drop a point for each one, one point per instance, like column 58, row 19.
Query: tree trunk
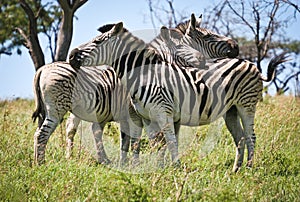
column 36, row 52
column 64, row 36
column 66, row 30
column 32, row 41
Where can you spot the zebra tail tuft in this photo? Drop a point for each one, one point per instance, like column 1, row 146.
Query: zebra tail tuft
column 277, row 60
column 39, row 110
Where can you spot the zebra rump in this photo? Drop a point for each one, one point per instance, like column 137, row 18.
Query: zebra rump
column 93, row 94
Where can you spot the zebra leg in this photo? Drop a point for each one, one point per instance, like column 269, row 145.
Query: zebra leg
column 71, row 125
column 41, row 137
column 176, row 162
column 131, row 131
column 156, row 141
column 233, row 124
column 166, row 125
column 125, row 142
column 101, row 155
column 247, row 116
column 163, row 148
column 135, row 148
column 160, row 143
column 135, row 131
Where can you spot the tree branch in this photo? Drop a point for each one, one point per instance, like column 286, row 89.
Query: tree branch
column 27, row 43
column 151, row 15
column 240, row 16
column 270, row 29
column 172, row 11
column 65, row 33
column 71, row 5
column 77, row 4
column 5, row 52
column 293, row 5
column 32, row 41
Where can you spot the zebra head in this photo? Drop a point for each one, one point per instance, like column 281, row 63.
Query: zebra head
column 97, row 51
column 210, row 44
column 182, row 53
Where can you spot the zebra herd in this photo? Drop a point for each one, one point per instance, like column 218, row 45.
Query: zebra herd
column 186, row 76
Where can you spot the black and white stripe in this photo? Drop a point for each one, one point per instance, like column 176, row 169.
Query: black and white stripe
column 168, row 96
column 93, row 94
column 207, row 42
column 173, row 43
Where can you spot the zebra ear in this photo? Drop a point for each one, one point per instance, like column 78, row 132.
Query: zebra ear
column 192, row 23
column 106, row 28
column 198, row 21
column 117, row 28
column 165, row 33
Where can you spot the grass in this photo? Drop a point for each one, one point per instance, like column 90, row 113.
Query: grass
column 274, row 177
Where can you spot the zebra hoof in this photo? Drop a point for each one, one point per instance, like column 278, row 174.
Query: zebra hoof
column 236, row 169
column 123, row 162
column 249, row 164
column 40, row 161
column 135, row 162
column 104, row 162
column 176, row 164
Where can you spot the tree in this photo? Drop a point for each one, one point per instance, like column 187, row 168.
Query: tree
column 258, row 26
column 165, row 13
column 28, row 19
column 261, row 26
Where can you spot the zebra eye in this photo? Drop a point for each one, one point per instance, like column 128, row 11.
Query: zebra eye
column 207, row 36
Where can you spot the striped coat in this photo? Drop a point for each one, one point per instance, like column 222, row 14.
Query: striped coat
column 168, row 96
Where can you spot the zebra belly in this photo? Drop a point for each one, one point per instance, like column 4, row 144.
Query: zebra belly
column 103, row 110
column 202, row 113
column 90, row 116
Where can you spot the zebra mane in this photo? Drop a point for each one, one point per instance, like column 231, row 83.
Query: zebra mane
column 107, row 27
column 151, row 50
column 183, row 26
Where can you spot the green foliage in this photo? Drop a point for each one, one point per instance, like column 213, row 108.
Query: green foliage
column 274, row 177
column 291, row 46
column 9, row 21
column 12, row 16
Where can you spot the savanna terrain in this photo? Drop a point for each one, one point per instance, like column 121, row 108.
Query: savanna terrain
column 205, row 173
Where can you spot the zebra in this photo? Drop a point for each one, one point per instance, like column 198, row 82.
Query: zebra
column 171, row 44
column 209, row 43
column 161, row 43
column 188, row 36
column 229, row 87
column 62, row 72
column 94, row 94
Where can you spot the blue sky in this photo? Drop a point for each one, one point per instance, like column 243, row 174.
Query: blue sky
column 17, row 72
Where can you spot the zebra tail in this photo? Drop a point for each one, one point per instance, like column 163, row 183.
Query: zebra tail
column 277, row 60
column 39, row 109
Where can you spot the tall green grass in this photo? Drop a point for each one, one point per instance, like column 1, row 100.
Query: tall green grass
column 274, row 177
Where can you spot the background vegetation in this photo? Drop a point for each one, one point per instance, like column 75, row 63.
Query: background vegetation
column 205, row 173
column 275, row 176
column 260, row 27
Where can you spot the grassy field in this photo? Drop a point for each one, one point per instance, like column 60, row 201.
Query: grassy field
column 274, row 177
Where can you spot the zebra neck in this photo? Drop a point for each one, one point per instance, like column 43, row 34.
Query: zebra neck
column 164, row 50
column 133, row 60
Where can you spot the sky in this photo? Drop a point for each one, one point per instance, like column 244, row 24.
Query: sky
column 17, row 71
